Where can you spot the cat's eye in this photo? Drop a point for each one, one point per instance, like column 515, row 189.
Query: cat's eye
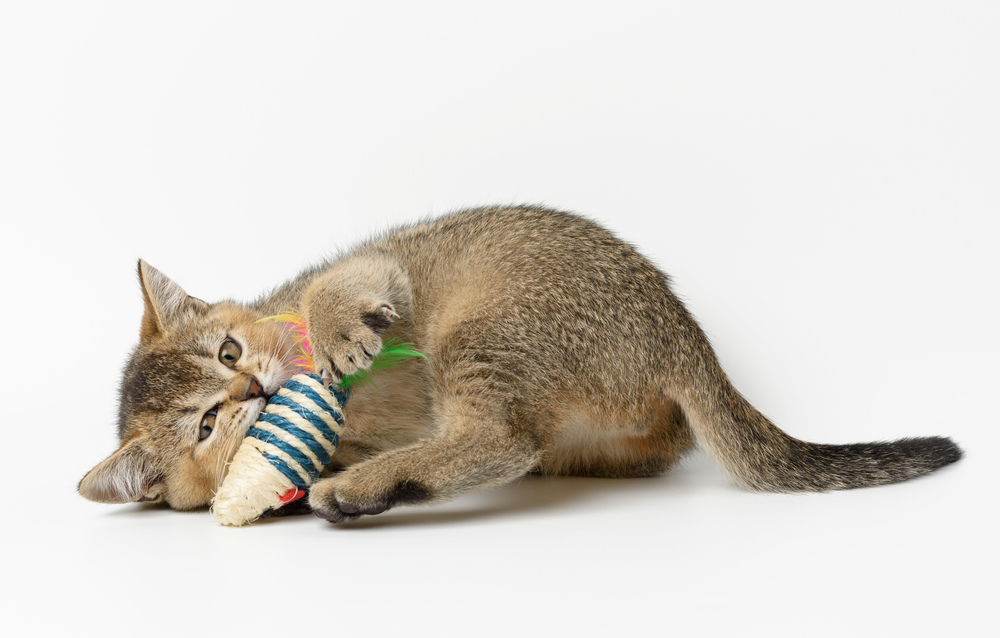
column 207, row 424
column 230, row 353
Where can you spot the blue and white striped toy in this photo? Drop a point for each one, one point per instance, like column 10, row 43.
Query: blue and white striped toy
column 284, row 452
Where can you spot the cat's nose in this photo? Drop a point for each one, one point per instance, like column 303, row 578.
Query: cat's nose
column 254, row 390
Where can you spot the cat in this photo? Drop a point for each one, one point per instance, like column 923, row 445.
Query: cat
column 552, row 347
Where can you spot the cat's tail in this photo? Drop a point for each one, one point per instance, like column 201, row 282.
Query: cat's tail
column 759, row 456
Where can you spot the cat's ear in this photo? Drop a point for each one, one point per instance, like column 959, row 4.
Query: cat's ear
column 165, row 303
column 127, row 476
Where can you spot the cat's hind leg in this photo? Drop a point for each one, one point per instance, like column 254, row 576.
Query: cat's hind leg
column 630, row 442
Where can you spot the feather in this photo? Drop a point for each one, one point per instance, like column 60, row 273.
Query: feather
column 393, row 352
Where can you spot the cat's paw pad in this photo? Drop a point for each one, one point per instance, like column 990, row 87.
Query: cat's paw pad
column 380, row 320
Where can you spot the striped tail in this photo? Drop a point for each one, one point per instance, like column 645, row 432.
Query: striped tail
column 759, row 456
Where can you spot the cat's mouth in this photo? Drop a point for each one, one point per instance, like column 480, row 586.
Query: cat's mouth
column 283, row 375
column 276, row 379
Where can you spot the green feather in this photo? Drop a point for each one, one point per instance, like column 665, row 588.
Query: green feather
column 392, row 354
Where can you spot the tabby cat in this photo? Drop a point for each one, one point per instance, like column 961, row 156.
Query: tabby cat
column 551, row 345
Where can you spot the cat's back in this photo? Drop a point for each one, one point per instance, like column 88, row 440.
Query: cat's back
column 547, row 283
column 514, row 244
column 530, row 227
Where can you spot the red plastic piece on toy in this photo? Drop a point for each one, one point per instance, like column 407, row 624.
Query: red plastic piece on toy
column 291, row 496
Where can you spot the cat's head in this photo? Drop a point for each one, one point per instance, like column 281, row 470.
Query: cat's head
column 190, row 390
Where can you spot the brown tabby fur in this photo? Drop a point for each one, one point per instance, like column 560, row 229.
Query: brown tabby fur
column 551, row 346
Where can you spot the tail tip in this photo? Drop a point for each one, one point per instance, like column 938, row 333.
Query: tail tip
column 937, row 451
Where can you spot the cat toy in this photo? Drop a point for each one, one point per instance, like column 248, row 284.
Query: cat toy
column 296, row 435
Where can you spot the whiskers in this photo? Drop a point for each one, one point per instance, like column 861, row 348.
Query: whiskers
column 277, row 356
column 243, row 419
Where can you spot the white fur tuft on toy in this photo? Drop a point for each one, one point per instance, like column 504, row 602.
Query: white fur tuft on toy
column 284, row 452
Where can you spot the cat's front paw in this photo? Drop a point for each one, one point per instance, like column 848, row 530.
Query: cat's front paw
column 337, row 501
column 328, row 505
column 347, row 340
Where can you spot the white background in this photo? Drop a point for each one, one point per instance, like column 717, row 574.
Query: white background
column 820, row 181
